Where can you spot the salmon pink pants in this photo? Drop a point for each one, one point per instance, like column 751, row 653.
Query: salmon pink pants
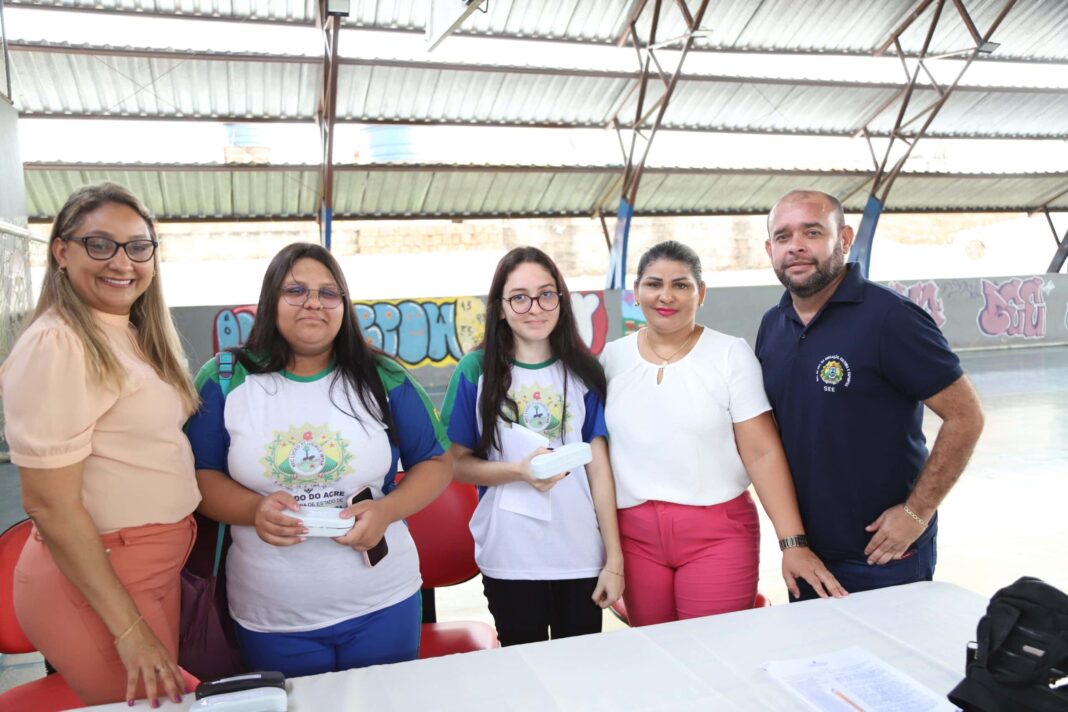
column 63, row 626
column 684, row 561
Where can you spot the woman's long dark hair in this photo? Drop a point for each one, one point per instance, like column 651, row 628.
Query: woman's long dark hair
column 499, row 348
column 266, row 351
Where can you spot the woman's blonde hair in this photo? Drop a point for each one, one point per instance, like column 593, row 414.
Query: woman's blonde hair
column 156, row 336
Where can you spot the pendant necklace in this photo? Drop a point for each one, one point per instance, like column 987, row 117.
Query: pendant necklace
column 665, row 361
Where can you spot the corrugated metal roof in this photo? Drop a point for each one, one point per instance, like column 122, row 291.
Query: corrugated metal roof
column 124, row 82
column 1034, row 29
column 298, row 11
column 392, row 191
column 186, row 194
column 168, row 85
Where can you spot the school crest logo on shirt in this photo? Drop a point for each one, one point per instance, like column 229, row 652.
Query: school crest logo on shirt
column 307, row 455
column 540, row 409
column 833, row 371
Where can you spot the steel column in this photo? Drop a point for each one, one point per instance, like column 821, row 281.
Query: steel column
column 1059, row 257
column 886, row 173
column 326, row 117
column 861, row 252
column 7, row 59
column 634, row 166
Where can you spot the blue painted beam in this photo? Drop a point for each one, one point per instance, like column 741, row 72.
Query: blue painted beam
column 326, row 225
column 617, row 257
column 861, row 251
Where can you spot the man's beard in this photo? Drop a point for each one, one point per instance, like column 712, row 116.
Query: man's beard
column 823, row 274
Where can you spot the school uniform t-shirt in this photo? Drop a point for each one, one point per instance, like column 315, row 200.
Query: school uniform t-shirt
column 509, row 544
column 281, row 432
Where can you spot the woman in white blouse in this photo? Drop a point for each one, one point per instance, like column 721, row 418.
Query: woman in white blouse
column 689, row 428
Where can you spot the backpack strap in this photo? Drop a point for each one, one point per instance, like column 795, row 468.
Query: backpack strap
column 218, row 550
column 224, row 360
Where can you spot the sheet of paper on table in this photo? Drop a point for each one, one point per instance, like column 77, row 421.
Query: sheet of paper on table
column 854, row 680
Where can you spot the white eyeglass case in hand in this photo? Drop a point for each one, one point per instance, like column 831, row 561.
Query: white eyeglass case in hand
column 562, row 459
column 325, row 521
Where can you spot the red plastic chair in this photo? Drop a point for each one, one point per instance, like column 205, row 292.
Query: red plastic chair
column 446, row 558
column 50, row 693
column 619, row 609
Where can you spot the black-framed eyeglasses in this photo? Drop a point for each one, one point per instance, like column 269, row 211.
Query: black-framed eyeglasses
column 104, row 248
column 297, row 295
column 521, row 303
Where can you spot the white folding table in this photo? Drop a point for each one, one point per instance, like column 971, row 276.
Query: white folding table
column 701, row 664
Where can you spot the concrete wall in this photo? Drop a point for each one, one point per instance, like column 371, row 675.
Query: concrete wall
column 430, row 335
column 999, row 312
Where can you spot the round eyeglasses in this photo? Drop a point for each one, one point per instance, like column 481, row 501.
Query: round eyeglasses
column 104, row 248
column 297, row 295
column 521, row 303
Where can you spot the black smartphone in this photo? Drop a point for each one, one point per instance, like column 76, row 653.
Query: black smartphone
column 377, row 552
column 248, row 681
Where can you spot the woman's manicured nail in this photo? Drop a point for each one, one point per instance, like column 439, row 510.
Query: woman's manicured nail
column 129, row 703
column 154, row 703
column 177, row 699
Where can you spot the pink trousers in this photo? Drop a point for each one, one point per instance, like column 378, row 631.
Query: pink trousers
column 683, row 561
column 61, row 624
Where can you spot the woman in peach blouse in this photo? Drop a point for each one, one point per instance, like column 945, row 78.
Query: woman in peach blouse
column 95, row 393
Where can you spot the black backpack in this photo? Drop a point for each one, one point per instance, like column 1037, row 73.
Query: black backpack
column 1021, row 652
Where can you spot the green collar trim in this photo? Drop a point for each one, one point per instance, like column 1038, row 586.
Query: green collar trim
column 535, row 366
column 309, row 379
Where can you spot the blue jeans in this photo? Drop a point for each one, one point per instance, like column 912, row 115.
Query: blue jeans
column 856, row 576
column 390, row 635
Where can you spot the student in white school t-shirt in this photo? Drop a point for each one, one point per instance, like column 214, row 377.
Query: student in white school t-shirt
column 548, row 548
column 309, row 416
column 690, row 427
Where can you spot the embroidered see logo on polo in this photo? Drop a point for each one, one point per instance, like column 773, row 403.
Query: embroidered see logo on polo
column 833, row 371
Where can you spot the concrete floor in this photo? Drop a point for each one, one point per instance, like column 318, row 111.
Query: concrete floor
column 1004, row 519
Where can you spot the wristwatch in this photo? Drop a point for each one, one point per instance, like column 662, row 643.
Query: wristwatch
column 791, row 542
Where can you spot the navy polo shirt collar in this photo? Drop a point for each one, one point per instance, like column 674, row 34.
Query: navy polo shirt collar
column 851, row 288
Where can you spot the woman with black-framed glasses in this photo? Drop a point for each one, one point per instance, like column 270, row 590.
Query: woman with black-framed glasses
column 95, row 394
column 548, row 549
column 307, row 414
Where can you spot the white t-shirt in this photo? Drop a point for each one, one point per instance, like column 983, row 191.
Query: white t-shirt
column 520, row 533
column 280, row 432
column 674, row 442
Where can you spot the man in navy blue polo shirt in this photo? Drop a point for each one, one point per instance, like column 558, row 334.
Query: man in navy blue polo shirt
column 848, row 367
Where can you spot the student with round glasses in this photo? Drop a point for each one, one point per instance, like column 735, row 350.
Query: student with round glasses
column 95, row 394
column 307, row 414
column 548, row 548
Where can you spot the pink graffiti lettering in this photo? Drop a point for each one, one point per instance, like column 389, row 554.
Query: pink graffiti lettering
column 1014, row 308
column 925, row 296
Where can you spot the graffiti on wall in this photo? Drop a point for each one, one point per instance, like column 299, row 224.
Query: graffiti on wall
column 633, row 319
column 924, row 295
column 1015, row 307
column 232, row 327
column 424, row 332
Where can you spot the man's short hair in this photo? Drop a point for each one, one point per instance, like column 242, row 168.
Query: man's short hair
column 836, row 205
